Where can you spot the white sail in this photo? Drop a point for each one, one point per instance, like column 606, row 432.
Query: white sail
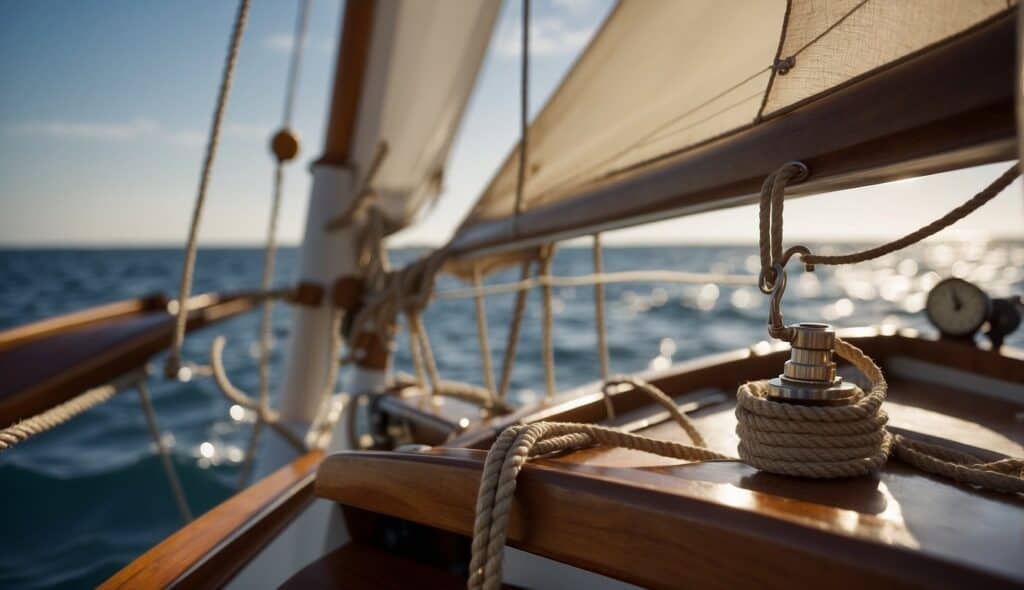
column 422, row 65
column 662, row 77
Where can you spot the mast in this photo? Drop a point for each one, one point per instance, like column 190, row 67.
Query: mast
column 404, row 73
column 328, row 256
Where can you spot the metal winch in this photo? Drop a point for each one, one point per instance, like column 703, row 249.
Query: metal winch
column 809, row 376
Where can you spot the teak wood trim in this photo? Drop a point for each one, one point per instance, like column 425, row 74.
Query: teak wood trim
column 114, row 361
column 76, row 319
column 946, row 107
column 607, row 520
column 217, row 545
column 353, row 54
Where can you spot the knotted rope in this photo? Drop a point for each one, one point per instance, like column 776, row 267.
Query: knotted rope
column 408, row 291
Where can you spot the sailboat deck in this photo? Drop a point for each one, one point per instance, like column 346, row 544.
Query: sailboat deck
column 660, row 522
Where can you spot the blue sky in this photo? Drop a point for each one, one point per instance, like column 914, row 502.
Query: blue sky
column 105, row 104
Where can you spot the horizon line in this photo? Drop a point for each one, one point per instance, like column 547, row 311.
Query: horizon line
column 572, row 243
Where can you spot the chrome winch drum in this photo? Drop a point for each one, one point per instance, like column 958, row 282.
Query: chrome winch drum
column 809, row 376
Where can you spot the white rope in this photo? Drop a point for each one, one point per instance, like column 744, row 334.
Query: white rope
column 548, row 326
column 630, row 276
column 165, row 455
column 602, row 334
column 514, row 326
column 481, row 329
column 235, row 395
column 185, row 287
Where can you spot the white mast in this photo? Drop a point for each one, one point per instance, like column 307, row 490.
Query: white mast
column 404, row 73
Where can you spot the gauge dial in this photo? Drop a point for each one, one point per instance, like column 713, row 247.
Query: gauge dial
column 957, row 308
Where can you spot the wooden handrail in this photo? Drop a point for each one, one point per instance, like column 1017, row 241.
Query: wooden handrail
column 48, row 362
column 676, row 526
column 75, row 319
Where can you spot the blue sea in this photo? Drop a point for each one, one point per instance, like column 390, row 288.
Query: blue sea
column 83, row 500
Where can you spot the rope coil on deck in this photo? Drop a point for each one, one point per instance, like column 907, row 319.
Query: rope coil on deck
column 816, row 441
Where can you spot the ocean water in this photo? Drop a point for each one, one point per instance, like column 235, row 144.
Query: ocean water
column 83, row 500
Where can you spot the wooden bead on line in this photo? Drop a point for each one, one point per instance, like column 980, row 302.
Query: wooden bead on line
column 285, row 145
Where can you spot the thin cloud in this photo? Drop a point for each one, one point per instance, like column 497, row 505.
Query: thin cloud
column 576, row 7
column 548, row 37
column 283, row 43
column 124, row 131
column 246, row 130
column 187, row 138
column 136, row 129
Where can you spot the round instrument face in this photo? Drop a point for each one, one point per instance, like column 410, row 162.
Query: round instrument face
column 957, row 308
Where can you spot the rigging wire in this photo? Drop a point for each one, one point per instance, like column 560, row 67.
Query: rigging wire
column 283, row 153
column 524, row 114
column 295, row 65
column 607, row 278
column 165, row 454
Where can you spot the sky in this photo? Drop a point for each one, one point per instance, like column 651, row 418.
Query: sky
column 105, row 106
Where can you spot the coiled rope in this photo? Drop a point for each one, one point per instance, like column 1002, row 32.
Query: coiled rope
column 815, row 441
